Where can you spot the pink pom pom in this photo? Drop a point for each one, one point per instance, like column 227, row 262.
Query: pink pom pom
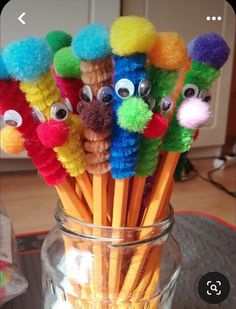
column 193, row 113
column 52, row 133
column 157, row 127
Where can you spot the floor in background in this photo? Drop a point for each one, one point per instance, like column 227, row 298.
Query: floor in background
column 31, row 204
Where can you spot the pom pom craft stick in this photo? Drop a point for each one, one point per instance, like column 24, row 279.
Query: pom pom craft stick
column 95, row 108
column 131, row 115
column 216, row 46
column 131, row 112
column 167, row 57
column 95, row 112
column 29, row 62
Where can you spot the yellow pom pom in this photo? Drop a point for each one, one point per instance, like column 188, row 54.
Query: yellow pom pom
column 12, row 141
column 132, row 34
column 169, row 51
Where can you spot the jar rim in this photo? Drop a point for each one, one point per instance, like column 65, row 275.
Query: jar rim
column 168, row 221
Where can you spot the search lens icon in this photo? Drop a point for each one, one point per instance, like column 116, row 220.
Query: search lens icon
column 213, row 287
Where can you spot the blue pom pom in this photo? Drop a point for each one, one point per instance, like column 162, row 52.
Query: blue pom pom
column 26, row 60
column 92, row 42
column 3, row 70
column 209, row 48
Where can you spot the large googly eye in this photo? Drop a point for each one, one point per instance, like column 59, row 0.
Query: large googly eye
column 144, row 88
column 124, row 88
column 166, row 104
column 105, row 95
column 86, row 94
column 205, row 95
column 68, row 105
column 38, row 115
column 190, row 91
column 12, row 118
column 59, row 112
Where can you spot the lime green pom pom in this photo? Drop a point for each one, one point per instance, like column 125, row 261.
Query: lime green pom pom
column 66, row 64
column 134, row 114
column 57, row 40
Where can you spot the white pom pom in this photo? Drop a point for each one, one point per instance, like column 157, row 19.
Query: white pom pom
column 193, row 113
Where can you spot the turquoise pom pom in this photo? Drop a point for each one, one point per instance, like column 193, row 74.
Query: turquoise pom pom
column 3, row 70
column 92, row 42
column 27, row 59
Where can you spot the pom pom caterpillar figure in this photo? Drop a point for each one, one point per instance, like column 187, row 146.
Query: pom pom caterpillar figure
column 167, row 57
column 208, row 53
column 29, row 61
column 22, row 126
column 131, row 38
column 96, row 96
column 65, row 68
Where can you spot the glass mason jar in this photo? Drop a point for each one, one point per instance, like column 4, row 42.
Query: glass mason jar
column 88, row 266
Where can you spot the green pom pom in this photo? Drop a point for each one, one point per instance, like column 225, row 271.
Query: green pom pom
column 66, row 64
column 134, row 114
column 163, row 83
column 148, row 156
column 57, row 40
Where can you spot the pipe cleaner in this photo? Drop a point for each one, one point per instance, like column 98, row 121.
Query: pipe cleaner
column 97, row 95
column 208, row 53
column 29, row 61
column 131, row 38
column 166, row 58
column 23, row 122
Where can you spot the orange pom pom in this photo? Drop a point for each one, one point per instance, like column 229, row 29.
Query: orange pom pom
column 169, row 51
column 12, row 141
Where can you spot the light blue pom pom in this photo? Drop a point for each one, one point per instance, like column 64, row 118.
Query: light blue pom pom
column 27, row 59
column 92, row 42
column 3, row 70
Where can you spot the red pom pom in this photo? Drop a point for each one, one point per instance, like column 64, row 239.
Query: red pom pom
column 156, row 127
column 52, row 133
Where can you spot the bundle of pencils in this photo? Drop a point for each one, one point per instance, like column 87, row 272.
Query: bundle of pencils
column 100, row 113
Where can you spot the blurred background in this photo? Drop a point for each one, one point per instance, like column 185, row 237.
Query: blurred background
column 31, row 204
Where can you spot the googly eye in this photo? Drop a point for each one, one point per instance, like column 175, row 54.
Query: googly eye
column 68, row 105
column 124, row 88
column 105, row 95
column 59, row 112
column 190, row 91
column 166, row 104
column 144, row 88
column 12, row 118
column 38, row 115
column 151, row 102
column 86, row 94
column 205, row 95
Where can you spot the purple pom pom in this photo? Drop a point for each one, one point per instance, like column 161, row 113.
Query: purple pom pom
column 193, row 113
column 209, row 48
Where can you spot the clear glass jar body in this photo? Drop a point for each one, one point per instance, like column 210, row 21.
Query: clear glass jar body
column 86, row 266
